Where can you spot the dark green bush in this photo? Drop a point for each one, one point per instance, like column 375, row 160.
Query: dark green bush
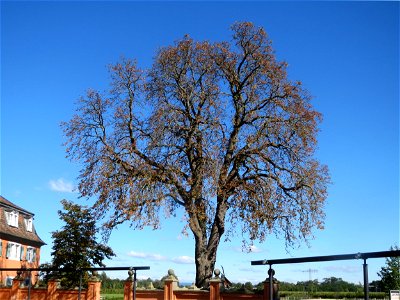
column 330, row 295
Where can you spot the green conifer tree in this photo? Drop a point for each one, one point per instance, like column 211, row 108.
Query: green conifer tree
column 75, row 246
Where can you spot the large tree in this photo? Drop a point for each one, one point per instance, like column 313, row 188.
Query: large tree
column 75, row 246
column 217, row 129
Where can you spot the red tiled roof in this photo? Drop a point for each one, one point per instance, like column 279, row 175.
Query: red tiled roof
column 5, row 202
column 17, row 233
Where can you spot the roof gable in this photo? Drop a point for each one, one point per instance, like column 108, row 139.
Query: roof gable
column 20, row 233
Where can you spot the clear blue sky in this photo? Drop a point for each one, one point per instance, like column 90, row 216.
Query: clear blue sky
column 345, row 53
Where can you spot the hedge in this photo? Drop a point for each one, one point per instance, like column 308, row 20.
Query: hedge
column 331, row 295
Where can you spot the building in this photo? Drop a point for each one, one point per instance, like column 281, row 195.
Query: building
column 19, row 242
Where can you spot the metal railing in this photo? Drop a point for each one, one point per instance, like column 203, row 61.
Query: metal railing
column 80, row 270
column 359, row 255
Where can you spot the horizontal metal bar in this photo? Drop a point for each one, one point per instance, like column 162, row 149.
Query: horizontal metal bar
column 117, row 268
column 366, row 255
column 259, row 262
column 391, row 253
column 81, row 269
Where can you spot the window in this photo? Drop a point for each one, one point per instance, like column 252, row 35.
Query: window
column 28, row 224
column 9, row 281
column 30, row 254
column 27, row 281
column 1, row 248
column 12, row 218
column 14, row 251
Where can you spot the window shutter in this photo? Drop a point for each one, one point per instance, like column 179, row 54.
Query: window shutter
column 28, row 224
column 34, row 255
column 9, row 281
column 16, row 217
column 8, row 250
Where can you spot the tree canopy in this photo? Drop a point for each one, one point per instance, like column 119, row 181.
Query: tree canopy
column 75, row 245
column 217, row 129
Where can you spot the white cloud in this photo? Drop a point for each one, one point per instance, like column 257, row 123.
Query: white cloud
column 183, row 260
column 61, row 185
column 255, row 249
column 156, row 257
column 137, row 254
column 150, row 256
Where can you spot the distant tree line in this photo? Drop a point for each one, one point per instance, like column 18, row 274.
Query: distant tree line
column 331, row 284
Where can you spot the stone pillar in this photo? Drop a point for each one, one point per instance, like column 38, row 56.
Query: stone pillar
column 52, row 286
column 128, row 287
column 275, row 289
column 170, row 283
column 15, row 288
column 215, row 284
column 94, row 287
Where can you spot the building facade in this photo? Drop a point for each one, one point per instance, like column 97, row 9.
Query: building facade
column 19, row 243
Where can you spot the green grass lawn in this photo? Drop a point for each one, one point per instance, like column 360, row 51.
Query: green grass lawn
column 112, row 296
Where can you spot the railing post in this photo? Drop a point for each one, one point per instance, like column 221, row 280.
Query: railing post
column 52, row 286
column 134, row 285
column 366, row 282
column 15, row 288
column 128, row 287
column 29, row 285
column 80, row 284
column 271, row 288
column 170, row 283
column 94, row 287
column 215, row 284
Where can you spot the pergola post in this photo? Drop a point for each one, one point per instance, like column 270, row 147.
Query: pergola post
column 366, row 283
column 271, row 273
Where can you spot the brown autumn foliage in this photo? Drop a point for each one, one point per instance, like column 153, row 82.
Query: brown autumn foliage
column 217, row 129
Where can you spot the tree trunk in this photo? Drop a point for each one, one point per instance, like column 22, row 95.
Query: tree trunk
column 206, row 256
column 206, row 247
column 204, row 269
